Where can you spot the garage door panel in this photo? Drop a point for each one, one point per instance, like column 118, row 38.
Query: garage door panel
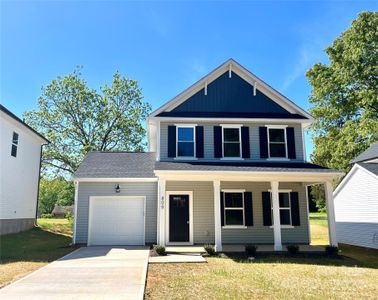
column 116, row 221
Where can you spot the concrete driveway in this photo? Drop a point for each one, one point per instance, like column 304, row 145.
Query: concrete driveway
column 87, row 273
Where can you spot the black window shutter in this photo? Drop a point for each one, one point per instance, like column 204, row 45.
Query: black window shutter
column 222, row 208
column 171, row 141
column 199, row 141
column 263, row 142
column 248, row 209
column 245, row 142
column 295, row 219
column 290, row 138
column 217, row 141
column 267, row 210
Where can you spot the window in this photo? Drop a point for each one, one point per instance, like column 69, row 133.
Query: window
column 285, row 208
column 233, row 208
column 185, row 141
column 14, row 144
column 277, row 142
column 231, row 142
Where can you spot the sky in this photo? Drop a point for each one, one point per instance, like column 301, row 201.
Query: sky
column 165, row 46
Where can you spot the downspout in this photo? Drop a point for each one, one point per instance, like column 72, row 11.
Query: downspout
column 39, row 181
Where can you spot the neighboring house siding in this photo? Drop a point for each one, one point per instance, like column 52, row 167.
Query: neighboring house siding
column 86, row 190
column 209, row 141
column 356, row 210
column 203, row 214
column 19, row 175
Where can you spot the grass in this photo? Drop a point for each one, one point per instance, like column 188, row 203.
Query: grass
column 273, row 277
column 24, row 252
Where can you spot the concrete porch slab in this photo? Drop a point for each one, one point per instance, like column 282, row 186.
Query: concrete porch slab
column 177, row 258
column 184, row 249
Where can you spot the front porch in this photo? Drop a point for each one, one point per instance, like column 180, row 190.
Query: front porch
column 241, row 248
column 208, row 214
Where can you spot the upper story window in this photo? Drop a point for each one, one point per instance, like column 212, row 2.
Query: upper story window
column 285, row 208
column 185, row 141
column 277, row 142
column 231, row 142
column 14, row 144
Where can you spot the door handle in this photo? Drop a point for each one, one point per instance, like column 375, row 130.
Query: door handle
column 187, row 222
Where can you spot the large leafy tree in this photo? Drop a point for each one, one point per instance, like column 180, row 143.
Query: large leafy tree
column 55, row 191
column 345, row 95
column 78, row 119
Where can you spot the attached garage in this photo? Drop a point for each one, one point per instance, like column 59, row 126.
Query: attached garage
column 116, row 220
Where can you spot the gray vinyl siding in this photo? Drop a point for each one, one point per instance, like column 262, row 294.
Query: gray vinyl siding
column 86, row 190
column 254, row 140
column 203, row 214
column 358, row 234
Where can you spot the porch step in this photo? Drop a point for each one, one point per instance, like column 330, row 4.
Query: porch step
column 185, row 249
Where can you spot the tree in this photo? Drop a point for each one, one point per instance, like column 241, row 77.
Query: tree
column 56, row 191
column 345, row 95
column 77, row 119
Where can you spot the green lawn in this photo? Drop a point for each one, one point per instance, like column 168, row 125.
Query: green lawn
column 275, row 277
column 24, row 252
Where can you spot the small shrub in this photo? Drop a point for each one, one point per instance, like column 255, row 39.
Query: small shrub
column 160, row 250
column 332, row 250
column 210, row 249
column 292, row 249
column 47, row 216
column 250, row 250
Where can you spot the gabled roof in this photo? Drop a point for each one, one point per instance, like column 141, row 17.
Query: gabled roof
column 14, row 117
column 371, row 167
column 233, row 66
column 368, row 154
column 117, row 165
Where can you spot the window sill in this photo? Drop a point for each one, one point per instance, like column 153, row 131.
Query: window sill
column 185, row 158
column 232, row 158
column 278, row 159
column 283, row 226
column 234, row 227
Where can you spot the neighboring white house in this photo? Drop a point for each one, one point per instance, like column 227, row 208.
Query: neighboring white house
column 20, row 154
column 356, row 202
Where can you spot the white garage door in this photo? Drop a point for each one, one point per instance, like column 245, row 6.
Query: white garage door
column 116, row 221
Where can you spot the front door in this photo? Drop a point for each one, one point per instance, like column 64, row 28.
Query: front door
column 179, row 220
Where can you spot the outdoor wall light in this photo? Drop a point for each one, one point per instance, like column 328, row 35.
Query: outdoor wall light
column 117, row 188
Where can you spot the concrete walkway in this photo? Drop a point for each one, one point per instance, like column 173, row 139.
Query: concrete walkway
column 87, row 273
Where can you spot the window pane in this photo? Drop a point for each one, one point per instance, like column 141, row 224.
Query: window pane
column 15, row 138
column 14, row 150
column 185, row 134
column 284, row 200
column 231, row 134
column 285, row 217
column 231, row 150
column 277, row 135
column 277, row 150
column 185, row 149
column 234, row 217
column 233, row 199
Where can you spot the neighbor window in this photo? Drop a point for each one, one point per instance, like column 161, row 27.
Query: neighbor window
column 14, row 144
column 185, row 141
column 231, row 142
column 285, row 208
column 233, row 208
column 277, row 142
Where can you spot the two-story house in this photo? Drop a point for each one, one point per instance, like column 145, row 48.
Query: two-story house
column 227, row 165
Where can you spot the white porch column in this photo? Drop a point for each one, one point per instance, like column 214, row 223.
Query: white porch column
column 276, row 216
column 161, row 212
column 217, row 216
column 328, row 188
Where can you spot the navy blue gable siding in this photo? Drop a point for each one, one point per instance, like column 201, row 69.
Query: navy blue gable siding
column 230, row 95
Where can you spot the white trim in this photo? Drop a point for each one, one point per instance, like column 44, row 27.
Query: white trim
column 283, row 127
column 167, row 194
column 217, row 216
column 243, row 73
column 91, row 198
column 233, row 190
column 234, row 227
column 308, row 214
column 276, row 215
column 192, row 126
column 114, row 179
column 76, row 183
column 158, row 141
column 232, row 126
column 303, row 144
column 284, row 226
column 330, row 213
column 277, row 126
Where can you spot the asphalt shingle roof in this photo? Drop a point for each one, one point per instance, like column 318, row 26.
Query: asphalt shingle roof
column 373, row 167
column 117, row 165
column 369, row 153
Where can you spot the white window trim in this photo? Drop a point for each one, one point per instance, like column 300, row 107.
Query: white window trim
column 241, row 191
column 15, row 144
column 285, row 137
column 193, row 126
column 283, row 208
column 232, row 126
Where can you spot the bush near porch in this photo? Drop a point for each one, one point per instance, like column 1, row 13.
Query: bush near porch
column 277, row 277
